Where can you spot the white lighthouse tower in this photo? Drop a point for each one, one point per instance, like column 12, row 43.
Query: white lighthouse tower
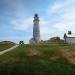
column 36, row 30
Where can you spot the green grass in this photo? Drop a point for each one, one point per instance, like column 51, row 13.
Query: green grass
column 5, row 46
column 17, row 62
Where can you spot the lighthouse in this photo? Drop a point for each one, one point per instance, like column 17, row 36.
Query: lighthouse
column 36, row 30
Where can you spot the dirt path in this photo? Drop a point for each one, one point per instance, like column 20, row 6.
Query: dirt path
column 69, row 55
column 7, row 50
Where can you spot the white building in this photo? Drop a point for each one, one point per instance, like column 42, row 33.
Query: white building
column 69, row 38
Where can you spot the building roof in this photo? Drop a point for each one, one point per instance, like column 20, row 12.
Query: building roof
column 71, row 35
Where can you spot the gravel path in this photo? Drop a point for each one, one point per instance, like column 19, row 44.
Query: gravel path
column 7, row 50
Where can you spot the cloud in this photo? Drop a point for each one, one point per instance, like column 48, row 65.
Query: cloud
column 66, row 11
column 55, row 8
column 23, row 24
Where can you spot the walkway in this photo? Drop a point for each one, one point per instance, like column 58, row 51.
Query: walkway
column 7, row 50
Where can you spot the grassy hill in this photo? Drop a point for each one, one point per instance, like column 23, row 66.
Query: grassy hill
column 5, row 45
column 53, row 41
column 39, row 60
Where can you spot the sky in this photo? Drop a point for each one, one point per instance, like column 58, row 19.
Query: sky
column 16, row 18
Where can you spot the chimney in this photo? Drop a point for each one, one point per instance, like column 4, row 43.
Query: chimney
column 69, row 32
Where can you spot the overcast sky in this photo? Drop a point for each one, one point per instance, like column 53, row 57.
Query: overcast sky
column 16, row 18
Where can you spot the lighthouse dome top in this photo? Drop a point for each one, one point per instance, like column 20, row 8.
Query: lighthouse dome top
column 36, row 15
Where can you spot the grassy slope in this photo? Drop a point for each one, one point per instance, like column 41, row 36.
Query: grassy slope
column 5, row 46
column 35, row 60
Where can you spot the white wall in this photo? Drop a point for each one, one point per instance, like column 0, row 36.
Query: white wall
column 70, row 40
